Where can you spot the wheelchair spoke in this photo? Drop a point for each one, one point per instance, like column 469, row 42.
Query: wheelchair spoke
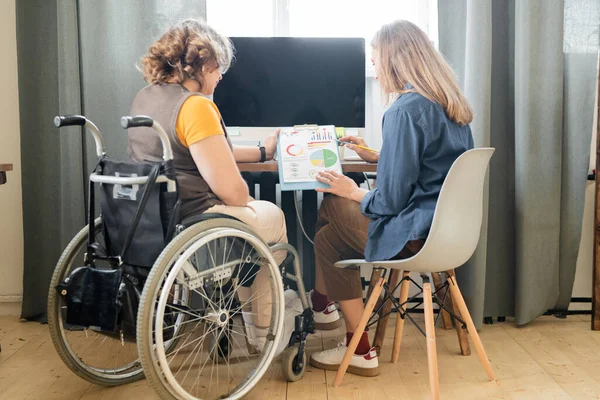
column 200, row 372
column 184, row 323
column 212, row 370
column 240, row 347
column 252, row 298
column 199, row 345
column 211, row 255
column 183, row 311
column 229, row 370
column 199, row 348
column 186, row 344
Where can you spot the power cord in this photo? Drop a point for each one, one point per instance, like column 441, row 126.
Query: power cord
column 300, row 219
column 367, row 180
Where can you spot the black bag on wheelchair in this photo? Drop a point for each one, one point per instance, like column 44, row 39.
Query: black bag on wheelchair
column 138, row 222
column 92, row 298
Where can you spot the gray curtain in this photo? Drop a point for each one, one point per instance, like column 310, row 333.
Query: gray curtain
column 114, row 36
column 53, row 202
column 528, row 69
column 75, row 57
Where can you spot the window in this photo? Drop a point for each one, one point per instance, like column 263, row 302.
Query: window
column 326, row 18
column 241, row 17
column 318, row 18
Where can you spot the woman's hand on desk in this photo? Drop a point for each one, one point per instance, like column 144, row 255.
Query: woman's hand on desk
column 340, row 185
column 352, row 141
column 271, row 144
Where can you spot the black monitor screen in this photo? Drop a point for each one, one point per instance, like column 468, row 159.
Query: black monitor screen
column 284, row 81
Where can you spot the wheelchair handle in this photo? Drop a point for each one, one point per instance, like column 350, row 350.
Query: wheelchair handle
column 139, row 120
column 80, row 120
column 143, row 120
column 69, row 120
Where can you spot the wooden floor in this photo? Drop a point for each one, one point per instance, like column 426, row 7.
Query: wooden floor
column 548, row 359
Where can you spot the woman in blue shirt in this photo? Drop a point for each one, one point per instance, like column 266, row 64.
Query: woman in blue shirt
column 424, row 131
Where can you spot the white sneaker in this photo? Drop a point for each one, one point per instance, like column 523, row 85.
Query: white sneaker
column 328, row 319
column 362, row 365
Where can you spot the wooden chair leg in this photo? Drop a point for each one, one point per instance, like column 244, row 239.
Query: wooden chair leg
column 461, row 333
column 358, row 332
column 400, row 321
column 437, row 282
column 432, row 363
column 464, row 311
column 387, row 306
column 375, row 275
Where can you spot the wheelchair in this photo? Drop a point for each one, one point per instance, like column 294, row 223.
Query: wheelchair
column 182, row 320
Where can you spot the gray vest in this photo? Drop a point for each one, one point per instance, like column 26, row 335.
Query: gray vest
column 162, row 103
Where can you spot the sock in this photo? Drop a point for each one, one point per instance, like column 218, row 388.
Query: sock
column 319, row 301
column 363, row 345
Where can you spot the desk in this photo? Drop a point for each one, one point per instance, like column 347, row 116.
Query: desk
column 266, row 176
column 271, row 166
column 4, row 168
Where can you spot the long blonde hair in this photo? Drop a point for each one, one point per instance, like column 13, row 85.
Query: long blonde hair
column 407, row 56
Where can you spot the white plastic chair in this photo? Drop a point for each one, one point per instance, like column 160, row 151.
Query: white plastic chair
column 452, row 240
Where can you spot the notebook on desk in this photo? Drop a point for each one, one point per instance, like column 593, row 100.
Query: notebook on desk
column 302, row 152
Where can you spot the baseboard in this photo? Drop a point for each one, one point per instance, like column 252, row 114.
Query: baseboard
column 10, row 304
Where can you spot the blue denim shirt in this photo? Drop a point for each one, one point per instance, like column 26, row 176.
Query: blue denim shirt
column 419, row 146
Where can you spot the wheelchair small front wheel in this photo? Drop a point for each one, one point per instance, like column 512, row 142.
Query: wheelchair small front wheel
column 293, row 365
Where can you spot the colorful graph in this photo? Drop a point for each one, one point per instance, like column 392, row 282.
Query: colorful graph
column 322, row 134
column 294, row 150
column 323, row 158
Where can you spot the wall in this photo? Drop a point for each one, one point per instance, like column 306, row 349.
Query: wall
column 11, row 213
column 582, row 286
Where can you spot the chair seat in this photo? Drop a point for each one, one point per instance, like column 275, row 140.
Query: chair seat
column 413, row 264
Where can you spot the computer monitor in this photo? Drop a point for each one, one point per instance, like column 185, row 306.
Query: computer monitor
column 285, row 81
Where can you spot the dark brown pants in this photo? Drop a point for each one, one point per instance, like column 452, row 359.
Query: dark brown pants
column 342, row 233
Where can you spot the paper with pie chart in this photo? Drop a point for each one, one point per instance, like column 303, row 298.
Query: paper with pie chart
column 305, row 152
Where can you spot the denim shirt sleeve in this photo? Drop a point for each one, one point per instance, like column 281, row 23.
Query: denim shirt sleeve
column 398, row 166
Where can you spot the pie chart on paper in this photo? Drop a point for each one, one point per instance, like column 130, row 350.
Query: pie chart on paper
column 323, row 158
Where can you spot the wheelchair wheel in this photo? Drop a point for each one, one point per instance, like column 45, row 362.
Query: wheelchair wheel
column 293, row 368
column 218, row 262
column 95, row 357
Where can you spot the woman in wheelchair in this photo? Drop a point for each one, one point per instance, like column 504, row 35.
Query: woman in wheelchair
column 183, row 69
column 425, row 130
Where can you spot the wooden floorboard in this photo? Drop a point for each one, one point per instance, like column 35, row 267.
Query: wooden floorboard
column 548, row 359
